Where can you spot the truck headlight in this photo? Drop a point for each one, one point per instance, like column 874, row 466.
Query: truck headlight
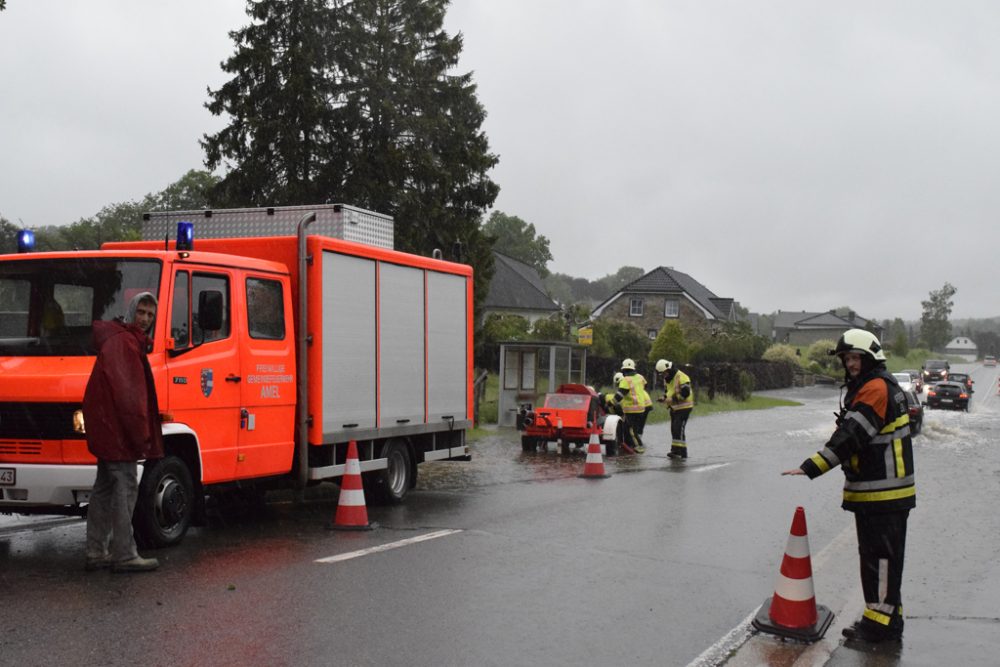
column 78, row 426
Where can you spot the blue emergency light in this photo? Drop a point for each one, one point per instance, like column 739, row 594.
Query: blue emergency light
column 185, row 235
column 25, row 240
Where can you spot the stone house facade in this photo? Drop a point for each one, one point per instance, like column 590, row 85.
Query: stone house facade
column 664, row 294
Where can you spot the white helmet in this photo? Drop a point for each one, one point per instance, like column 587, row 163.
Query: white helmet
column 628, row 365
column 618, row 379
column 662, row 366
column 860, row 341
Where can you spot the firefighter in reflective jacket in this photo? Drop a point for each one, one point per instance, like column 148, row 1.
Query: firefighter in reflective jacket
column 634, row 401
column 679, row 397
column 610, row 406
column 872, row 446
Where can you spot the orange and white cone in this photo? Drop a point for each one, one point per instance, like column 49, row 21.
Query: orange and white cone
column 792, row 611
column 351, row 511
column 594, row 467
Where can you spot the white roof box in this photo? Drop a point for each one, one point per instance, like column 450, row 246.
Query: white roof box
column 338, row 221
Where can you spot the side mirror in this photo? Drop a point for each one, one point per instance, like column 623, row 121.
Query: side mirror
column 210, row 310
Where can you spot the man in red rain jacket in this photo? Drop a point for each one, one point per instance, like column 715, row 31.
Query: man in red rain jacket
column 123, row 427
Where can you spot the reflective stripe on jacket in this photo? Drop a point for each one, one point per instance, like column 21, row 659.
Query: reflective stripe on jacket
column 674, row 390
column 632, row 394
column 873, row 447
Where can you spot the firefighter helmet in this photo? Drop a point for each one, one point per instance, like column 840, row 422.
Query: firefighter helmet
column 628, row 365
column 618, row 379
column 860, row 341
column 662, row 366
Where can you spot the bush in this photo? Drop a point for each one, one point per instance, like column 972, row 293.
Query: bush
column 671, row 343
column 781, row 352
column 819, row 353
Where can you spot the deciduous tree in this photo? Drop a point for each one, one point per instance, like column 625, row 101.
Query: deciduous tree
column 516, row 238
column 935, row 328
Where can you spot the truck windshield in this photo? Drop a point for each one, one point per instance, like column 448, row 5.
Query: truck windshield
column 47, row 305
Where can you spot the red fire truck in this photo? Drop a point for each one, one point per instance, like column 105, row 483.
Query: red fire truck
column 281, row 335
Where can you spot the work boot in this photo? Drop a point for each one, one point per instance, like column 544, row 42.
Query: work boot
column 100, row 563
column 137, row 564
column 639, row 449
column 873, row 633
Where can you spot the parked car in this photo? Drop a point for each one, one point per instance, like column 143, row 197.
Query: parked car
column 916, row 410
column 989, row 361
column 962, row 378
column 935, row 370
column 948, row 395
column 904, row 380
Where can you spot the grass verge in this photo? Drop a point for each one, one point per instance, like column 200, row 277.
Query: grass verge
column 721, row 403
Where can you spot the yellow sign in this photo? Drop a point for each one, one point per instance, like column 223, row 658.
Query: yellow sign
column 585, row 335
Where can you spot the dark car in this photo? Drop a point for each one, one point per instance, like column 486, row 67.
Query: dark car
column 948, row 395
column 962, row 378
column 935, row 370
column 916, row 410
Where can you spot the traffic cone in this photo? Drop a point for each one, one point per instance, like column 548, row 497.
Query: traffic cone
column 351, row 511
column 793, row 611
column 594, row 467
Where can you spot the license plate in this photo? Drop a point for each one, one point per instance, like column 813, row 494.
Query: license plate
column 946, row 400
column 8, row 476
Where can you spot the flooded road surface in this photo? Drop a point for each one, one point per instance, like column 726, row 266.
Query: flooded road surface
column 513, row 559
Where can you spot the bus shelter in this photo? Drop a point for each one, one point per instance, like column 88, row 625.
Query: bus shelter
column 529, row 369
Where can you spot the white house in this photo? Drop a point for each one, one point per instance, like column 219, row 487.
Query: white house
column 962, row 346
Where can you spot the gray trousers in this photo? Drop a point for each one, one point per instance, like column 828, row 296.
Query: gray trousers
column 109, row 516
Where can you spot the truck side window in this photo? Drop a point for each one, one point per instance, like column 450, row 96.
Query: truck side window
column 179, row 329
column 209, row 282
column 265, row 309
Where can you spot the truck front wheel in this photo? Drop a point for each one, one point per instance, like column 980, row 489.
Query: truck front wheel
column 164, row 505
column 389, row 486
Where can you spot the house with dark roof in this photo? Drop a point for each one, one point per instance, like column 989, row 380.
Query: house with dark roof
column 962, row 346
column 664, row 294
column 805, row 328
column 517, row 289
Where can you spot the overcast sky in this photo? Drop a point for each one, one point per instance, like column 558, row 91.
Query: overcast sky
column 791, row 155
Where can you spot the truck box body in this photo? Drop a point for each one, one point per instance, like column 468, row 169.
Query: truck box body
column 387, row 348
column 391, row 335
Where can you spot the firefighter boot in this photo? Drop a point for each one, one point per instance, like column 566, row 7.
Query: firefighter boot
column 137, row 564
column 869, row 631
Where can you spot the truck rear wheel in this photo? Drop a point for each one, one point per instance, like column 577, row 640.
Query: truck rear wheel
column 164, row 505
column 390, row 486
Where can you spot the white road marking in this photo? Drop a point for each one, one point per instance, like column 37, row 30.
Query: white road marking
column 711, row 467
column 726, row 650
column 386, row 547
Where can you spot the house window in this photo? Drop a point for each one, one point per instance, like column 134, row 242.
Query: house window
column 635, row 308
column 652, row 334
column 671, row 308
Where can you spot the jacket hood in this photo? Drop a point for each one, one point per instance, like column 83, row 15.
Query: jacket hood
column 134, row 303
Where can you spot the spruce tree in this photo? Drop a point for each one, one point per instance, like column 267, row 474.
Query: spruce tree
column 353, row 101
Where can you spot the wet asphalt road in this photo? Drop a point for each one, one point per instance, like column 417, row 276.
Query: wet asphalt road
column 663, row 563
